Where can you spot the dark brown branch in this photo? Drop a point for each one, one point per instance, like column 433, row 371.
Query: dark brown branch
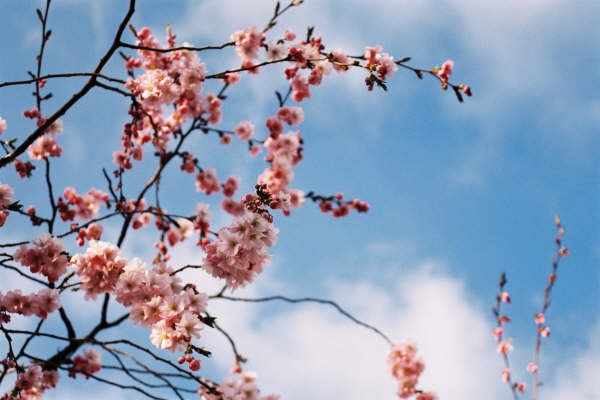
column 23, row 274
column 307, row 300
column 76, row 97
column 62, row 75
column 179, row 48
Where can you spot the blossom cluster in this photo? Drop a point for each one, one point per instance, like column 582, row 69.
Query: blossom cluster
column 169, row 78
column 83, row 206
column 46, row 145
column 284, row 152
column 158, row 300
column 248, row 42
column 407, row 368
column 40, row 304
column 382, row 63
column 87, row 363
column 32, row 383
column 240, row 251
column 6, row 196
column 242, row 388
column 505, row 346
column 99, row 268
column 47, row 256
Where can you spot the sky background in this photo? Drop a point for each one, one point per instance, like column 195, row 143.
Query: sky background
column 459, row 193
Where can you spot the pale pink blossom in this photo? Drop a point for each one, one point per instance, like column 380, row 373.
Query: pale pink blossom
column 233, row 207
column 445, row 71
column 45, row 146
column 244, row 130
column 84, row 206
column 40, row 304
column 291, row 115
column 339, row 60
column 406, row 368
column 276, row 51
column 248, row 42
column 497, row 333
column 86, row 364
column 2, row 125
column 243, row 387
column 99, row 268
column 505, row 347
column 532, row 367
column 232, row 78
column 289, row 35
column 46, row 256
column 207, row 181
column 231, row 185
column 539, row 319
column 6, row 195
column 239, row 253
column 300, row 88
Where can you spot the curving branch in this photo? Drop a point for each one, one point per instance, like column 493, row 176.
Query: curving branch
column 286, row 299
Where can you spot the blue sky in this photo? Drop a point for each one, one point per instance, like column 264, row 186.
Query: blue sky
column 458, row 192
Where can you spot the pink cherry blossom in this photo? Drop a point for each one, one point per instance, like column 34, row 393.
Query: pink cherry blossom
column 86, row 364
column 505, row 347
column 84, row 206
column 240, row 251
column 532, row 367
column 207, row 182
column 406, row 368
column 2, row 125
column 46, row 256
column 243, row 387
column 231, row 185
column 276, row 51
column 244, row 130
column 6, row 195
column 445, row 71
column 44, row 147
column 40, row 304
column 99, row 268
column 248, row 42
column 539, row 319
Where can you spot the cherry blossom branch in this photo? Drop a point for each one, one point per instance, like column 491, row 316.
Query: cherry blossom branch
column 128, row 371
column 177, row 48
column 204, row 382
column 504, row 347
column 53, row 207
column 286, row 299
column 77, row 96
column 184, row 268
column 238, row 357
column 45, row 37
column 23, row 274
column 540, row 319
column 61, row 75
column 99, row 379
column 113, row 89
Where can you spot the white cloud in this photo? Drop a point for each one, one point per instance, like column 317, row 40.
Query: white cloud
column 577, row 377
column 310, row 351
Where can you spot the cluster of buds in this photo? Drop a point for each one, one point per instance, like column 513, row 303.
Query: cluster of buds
column 194, row 364
column 337, row 205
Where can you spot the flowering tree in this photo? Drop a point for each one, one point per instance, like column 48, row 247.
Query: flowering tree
column 71, row 249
